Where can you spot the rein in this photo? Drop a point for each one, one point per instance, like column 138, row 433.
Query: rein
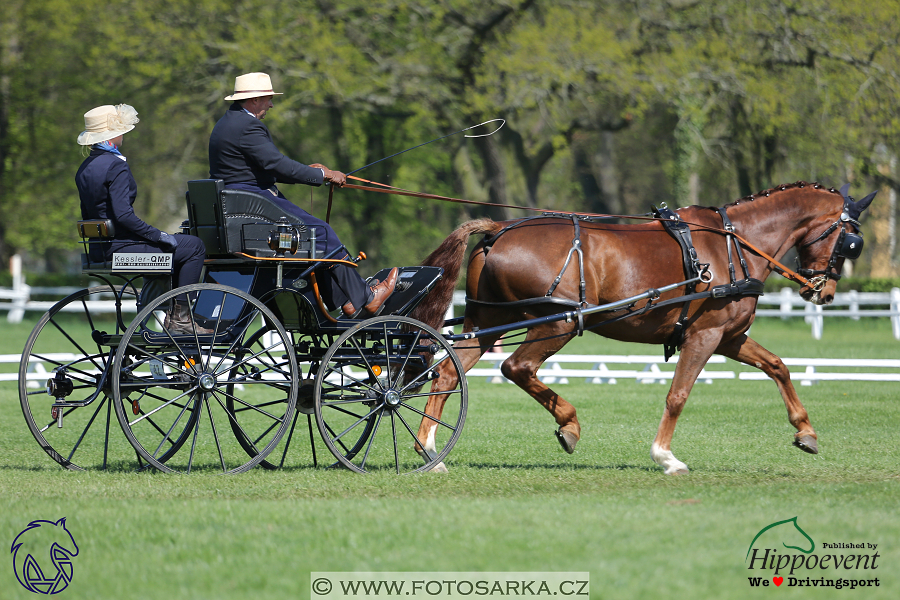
column 815, row 284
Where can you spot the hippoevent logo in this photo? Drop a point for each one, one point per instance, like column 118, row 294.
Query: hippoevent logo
column 42, row 556
column 835, row 565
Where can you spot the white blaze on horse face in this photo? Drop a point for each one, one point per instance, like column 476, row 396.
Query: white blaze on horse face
column 667, row 460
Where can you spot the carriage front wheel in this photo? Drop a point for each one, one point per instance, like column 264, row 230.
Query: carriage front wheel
column 214, row 382
column 379, row 371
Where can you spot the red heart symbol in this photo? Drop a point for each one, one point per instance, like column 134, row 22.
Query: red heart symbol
column 778, row 580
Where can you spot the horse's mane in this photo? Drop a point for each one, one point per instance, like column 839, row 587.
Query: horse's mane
column 779, row 188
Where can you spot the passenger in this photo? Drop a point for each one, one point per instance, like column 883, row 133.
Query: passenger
column 242, row 154
column 108, row 190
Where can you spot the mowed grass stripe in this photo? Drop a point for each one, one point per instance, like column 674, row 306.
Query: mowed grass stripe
column 513, row 501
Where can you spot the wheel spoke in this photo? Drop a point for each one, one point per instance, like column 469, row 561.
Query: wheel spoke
column 169, row 432
column 427, row 416
column 194, row 441
column 83, row 433
column 251, row 406
column 163, row 405
column 415, row 381
column 212, row 425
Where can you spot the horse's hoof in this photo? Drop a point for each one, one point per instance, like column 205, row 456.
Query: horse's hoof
column 807, row 443
column 567, row 440
column 430, row 455
column 677, row 470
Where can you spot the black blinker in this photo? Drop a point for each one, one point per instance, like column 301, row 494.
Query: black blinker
column 851, row 245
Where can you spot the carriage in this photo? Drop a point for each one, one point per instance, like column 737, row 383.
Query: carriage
column 232, row 399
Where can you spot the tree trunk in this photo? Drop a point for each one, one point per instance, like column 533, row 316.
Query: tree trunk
column 495, row 177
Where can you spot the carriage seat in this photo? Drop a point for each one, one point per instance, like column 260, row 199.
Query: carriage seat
column 230, row 221
column 96, row 232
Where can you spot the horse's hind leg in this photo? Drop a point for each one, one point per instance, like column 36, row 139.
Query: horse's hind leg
column 747, row 351
column 521, row 368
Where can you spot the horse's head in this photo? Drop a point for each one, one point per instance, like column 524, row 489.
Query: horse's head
column 831, row 238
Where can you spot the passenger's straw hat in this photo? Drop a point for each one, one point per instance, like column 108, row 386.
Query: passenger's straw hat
column 107, row 122
column 252, row 85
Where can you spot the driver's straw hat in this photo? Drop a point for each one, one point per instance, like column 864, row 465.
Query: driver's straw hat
column 252, row 85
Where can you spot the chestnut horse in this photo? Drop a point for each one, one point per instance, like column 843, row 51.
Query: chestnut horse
column 622, row 261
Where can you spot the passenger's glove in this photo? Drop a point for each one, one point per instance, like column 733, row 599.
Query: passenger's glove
column 168, row 241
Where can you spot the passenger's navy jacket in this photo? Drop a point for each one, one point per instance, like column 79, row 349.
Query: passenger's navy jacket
column 241, row 151
column 108, row 190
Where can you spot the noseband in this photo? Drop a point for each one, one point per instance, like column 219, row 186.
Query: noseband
column 848, row 245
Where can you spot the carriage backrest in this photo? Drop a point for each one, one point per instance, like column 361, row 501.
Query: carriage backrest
column 205, row 214
column 229, row 220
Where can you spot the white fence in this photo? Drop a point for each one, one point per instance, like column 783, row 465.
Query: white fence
column 853, row 304
column 608, row 369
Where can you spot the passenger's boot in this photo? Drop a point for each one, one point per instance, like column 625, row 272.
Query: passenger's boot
column 178, row 321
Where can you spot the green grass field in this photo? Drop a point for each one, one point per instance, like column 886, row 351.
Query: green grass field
column 513, row 501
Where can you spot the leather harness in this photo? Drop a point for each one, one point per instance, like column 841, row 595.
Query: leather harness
column 693, row 268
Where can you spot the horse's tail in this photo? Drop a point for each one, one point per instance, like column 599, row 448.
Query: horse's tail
column 449, row 256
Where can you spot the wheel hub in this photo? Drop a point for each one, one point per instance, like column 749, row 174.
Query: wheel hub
column 207, row 382
column 392, row 398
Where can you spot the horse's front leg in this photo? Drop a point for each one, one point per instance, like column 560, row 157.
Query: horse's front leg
column 469, row 352
column 695, row 352
column 747, row 351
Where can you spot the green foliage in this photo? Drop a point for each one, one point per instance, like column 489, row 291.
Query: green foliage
column 610, row 106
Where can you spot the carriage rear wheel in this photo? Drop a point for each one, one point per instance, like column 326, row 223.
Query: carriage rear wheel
column 68, row 356
column 374, row 376
column 207, row 384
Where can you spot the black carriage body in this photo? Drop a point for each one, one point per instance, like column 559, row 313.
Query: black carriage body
column 235, row 225
column 270, row 353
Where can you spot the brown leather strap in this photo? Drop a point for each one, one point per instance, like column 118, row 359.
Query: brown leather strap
column 389, row 189
column 330, row 197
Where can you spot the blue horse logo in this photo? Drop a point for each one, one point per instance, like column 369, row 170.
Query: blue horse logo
column 40, row 545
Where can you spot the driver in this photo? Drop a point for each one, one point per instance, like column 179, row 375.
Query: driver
column 242, row 154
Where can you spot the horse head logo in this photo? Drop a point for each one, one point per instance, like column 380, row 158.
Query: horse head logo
column 40, row 545
column 789, row 534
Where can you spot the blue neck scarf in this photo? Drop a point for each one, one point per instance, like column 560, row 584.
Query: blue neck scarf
column 108, row 147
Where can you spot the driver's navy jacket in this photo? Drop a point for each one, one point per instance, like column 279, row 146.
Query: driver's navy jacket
column 241, row 151
column 108, row 190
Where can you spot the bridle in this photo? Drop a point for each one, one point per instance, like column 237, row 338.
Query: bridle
column 849, row 244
